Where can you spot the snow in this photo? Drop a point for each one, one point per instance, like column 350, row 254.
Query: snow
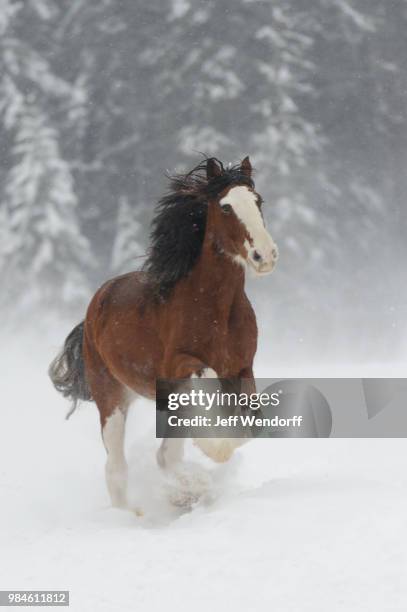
column 287, row 525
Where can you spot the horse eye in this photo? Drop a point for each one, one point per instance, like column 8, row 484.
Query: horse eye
column 226, row 208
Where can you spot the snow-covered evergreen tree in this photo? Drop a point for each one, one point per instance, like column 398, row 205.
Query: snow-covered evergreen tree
column 43, row 256
column 113, row 94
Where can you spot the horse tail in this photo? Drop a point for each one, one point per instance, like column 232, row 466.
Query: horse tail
column 67, row 371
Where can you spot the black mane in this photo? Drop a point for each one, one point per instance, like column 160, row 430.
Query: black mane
column 178, row 228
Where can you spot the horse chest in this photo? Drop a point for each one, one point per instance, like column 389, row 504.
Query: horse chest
column 217, row 327
column 230, row 343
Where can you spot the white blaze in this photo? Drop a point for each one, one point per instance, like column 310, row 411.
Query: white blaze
column 244, row 204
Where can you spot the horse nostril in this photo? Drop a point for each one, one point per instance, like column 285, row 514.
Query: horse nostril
column 274, row 253
column 257, row 256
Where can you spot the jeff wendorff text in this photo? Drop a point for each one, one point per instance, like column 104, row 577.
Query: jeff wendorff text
column 234, row 421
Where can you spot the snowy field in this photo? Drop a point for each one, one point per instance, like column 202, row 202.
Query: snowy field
column 287, row 525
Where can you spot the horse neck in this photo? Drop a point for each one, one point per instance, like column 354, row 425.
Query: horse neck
column 216, row 277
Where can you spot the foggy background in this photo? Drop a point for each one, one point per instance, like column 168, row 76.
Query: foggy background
column 100, row 98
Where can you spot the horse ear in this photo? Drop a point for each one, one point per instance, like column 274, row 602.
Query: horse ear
column 246, row 167
column 213, row 168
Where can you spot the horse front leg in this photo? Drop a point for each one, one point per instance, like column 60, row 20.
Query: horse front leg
column 221, row 450
column 171, row 451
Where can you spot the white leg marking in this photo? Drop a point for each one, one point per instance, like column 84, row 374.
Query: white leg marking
column 116, row 466
column 217, row 449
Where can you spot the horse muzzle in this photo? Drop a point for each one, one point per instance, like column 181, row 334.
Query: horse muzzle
column 263, row 261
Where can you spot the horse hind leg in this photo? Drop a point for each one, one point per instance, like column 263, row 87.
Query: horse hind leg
column 112, row 399
column 116, row 470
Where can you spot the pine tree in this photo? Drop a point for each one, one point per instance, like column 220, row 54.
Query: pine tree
column 47, row 249
column 43, row 254
column 112, row 94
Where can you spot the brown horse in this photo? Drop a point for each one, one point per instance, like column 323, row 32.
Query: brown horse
column 185, row 314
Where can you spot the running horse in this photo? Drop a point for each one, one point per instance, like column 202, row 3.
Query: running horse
column 184, row 314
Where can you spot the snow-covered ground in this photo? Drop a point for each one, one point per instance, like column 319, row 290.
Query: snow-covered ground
column 287, row 525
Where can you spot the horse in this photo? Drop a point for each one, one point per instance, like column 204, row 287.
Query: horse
column 184, row 314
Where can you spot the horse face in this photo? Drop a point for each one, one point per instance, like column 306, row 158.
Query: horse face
column 244, row 235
